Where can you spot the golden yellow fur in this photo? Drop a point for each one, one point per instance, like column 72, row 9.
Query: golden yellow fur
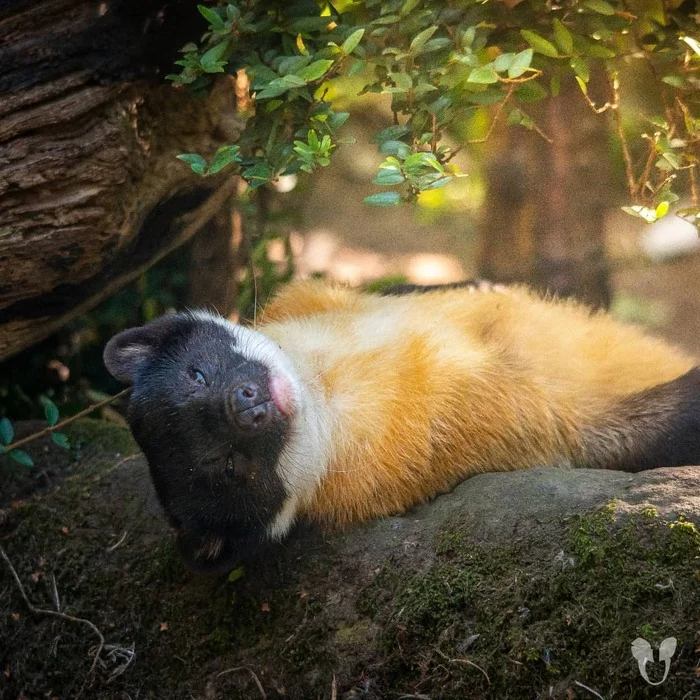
column 423, row 390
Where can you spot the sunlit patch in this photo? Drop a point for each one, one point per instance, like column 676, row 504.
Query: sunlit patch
column 434, row 269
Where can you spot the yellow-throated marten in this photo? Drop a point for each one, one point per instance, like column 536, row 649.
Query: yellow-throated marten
column 344, row 406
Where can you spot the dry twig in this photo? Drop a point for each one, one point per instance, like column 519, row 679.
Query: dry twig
column 57, row 613
column 590, row 690
column 67, row 421
column 252, row 673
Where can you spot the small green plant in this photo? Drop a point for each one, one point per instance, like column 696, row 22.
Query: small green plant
column 7, row 434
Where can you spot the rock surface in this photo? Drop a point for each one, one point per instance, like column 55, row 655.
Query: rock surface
column 527, row 584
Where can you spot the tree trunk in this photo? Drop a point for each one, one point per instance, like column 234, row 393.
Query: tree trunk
column 544, row 221
column 89, row 130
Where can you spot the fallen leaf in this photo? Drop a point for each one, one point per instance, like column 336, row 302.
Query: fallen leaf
column 265, row 607
column 36, row 576
column 163, row 626
column 65, row 530
column 15, row 617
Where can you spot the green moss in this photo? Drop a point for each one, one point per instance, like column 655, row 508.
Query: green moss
column 571, row 617
column 350, row 637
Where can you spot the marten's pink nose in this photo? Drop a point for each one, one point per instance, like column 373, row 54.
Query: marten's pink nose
column 251, row 409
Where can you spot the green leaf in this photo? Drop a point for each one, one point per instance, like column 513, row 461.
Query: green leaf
column 352, row 42
column 315, row 70
column 391, row 133
column 422, row 88
column 279, row 86
column 518, row 117
column 487, row 97
column 211, row 16
column 61, row 439
column 50, row 410
column 554, row 85
column 408, row 6
column 539, row 43
column 356, row 67
column 649, row 215
column 439, row 182
column 403, row 81
column 468, row 37
column 581, row 68
column 563, row 37
column 437, row 44
column 582, row 85
column 196, row 162
column 662, row 209
column 236, row 574
column 383, row 199
column 593, row 49
column 676, row 81
column 7, row 432
column 386, row 19
column 520, row 63
column 337, row 119
column 395, row 148
column 669, row 161
column 421, row 38
column 22, row 457
column 211, row 58
column 257, row 175
column 600, row 6
column 224, row 156
column 389, row 176
column 502, row 62
column 531, row 91
column 290, row 64
column 485, row 75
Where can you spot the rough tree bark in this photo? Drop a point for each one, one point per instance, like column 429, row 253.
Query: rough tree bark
column 544, row 218
column 89, row 130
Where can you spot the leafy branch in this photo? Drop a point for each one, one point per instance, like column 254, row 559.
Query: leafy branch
column 439, row 66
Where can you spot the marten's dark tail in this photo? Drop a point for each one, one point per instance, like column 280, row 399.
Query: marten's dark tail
column 659, row 427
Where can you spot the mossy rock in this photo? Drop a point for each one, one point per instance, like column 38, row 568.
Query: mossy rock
column 525, row 584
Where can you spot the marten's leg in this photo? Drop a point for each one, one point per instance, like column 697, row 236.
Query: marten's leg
column 659, row 427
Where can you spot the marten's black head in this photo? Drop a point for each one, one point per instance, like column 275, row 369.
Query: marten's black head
column 213, row 407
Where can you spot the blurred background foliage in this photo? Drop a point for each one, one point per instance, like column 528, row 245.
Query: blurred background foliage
column 516, row 130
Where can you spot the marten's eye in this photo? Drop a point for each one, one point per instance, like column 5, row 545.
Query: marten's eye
column 198, row 377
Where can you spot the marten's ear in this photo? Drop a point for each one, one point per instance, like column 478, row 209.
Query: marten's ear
column 128, row 350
